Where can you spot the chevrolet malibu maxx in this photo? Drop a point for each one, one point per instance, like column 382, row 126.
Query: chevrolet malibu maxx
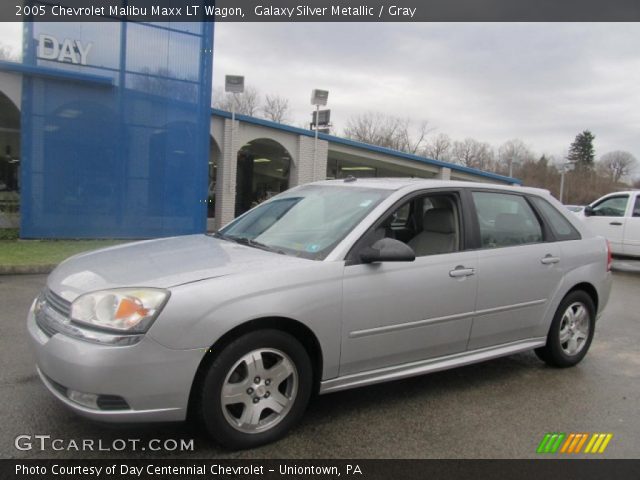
column 327, row 286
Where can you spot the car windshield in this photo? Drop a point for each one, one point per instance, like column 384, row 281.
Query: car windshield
column 308, row 221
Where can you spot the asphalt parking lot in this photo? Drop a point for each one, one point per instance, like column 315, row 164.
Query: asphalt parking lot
column 498, row 409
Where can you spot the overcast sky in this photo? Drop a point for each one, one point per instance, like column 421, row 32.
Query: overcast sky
column 542, row 83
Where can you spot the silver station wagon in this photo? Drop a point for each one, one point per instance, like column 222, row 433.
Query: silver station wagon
column 325, row 287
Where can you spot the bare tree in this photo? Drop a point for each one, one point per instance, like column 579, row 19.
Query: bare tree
column 412, row 138
column 439, row 148
column 373, row 128
column 387, row 131
column 246, row 103
column 618, row 164
column 513, row 152
column 276, row 108
column 541, row 173
column 472, row 153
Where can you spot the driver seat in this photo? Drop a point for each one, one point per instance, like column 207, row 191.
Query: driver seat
column 438, row 233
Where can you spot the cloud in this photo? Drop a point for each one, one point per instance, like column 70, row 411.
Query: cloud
column 540, row 82
column 11, row 36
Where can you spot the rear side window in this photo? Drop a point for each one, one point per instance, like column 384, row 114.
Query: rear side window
column 636, row 207
column 505, row 220
column 560, row 226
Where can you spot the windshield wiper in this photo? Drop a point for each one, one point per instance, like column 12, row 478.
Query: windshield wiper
column 220, row 235
column 248, row 242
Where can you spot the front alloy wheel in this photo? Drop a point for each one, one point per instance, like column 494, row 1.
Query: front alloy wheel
column 255, row 389
column 259, row 390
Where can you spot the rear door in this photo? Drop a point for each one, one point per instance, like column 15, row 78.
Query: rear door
column 609, row 219
column 518, row 269
column 631, row 244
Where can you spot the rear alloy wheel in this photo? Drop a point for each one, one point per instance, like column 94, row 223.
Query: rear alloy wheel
column 256, row 389
column 571, row 331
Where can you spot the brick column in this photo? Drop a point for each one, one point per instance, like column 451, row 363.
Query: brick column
column 226, row 176
column 444, row 173
column 307, row 169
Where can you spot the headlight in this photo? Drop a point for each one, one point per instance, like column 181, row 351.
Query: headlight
column 130, row 310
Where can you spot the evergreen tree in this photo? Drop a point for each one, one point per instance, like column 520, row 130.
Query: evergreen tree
column 581, row 152
column 543, row 162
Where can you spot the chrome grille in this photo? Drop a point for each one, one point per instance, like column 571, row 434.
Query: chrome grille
column 57, row 303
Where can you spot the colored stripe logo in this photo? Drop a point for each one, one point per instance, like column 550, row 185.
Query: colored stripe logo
column 574, row 443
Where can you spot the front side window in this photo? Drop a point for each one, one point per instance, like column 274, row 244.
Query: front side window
column 505, row 220
column 308, row 221
column 611, row 207
column 429, row 224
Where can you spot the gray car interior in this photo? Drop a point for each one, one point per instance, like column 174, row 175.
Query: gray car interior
column 431, row 227
column 438, row 233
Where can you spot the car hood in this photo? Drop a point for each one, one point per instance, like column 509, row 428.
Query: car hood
column 161, row 263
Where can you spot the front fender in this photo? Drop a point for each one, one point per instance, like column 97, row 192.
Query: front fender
column 198, row 314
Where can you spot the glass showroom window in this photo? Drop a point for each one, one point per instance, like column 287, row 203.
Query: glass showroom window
column 10, row 151
column 9, row 163
column 263, row 171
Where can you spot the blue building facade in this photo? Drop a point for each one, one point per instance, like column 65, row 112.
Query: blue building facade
column 115, row 129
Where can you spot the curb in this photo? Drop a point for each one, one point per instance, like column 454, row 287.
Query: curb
column 26, row 269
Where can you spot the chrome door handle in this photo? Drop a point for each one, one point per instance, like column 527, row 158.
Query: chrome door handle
column 549, row 259
column 461, row 271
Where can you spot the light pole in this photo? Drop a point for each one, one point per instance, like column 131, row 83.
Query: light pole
column 318, row 98
column 512, row 163
column 563, row 169
column 233, row 84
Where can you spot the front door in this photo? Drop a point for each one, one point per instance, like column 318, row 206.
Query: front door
column 396, row 313
column 608, row 219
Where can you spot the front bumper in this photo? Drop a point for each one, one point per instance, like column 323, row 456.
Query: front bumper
column 155, row 381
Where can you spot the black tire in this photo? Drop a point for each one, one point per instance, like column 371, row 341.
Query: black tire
column 229, row 368
column 557, row 353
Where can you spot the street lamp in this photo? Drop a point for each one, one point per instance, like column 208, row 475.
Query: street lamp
column 512, row 162
column 563, row 169
column 233, row 84
column 318, row 98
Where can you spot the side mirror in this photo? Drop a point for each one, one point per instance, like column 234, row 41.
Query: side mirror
column 588, row 211
column 388, row 250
